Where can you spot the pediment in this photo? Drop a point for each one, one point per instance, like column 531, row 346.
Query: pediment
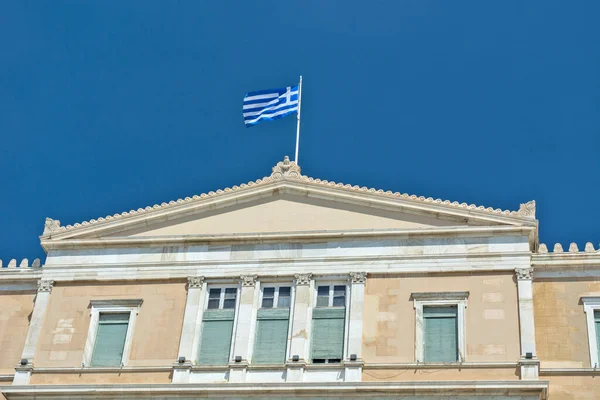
column 287, row 201
column 290, row 213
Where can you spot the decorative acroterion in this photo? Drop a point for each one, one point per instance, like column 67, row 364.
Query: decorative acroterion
column 527, row 209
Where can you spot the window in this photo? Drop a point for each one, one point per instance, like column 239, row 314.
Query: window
column 110, row 339
column 440, row 326
column 591, row 307
column 110, row 332
column 217, row 326
column 272, row 326
column 329, row 318
column 440, row 334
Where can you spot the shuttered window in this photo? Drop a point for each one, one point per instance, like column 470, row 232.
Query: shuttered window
column 217, row 327
column 271, row 336
column 328, row 324
column 110, row 339
column 597, row 325
column 440, row 334
column 272, row 326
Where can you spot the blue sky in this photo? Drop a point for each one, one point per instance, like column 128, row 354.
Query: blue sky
column 107, row 106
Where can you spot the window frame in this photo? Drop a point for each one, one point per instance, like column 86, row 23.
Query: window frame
column 590, row 305
column 222, row 286
column 440, row 299
column 331, row 295
column 277, row 286
column 98, row 307
column 332, row 282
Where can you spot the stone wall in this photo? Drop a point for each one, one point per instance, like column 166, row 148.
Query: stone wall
column 560, row 322
column 156, row 332
column 15, row 309
column 491, row 317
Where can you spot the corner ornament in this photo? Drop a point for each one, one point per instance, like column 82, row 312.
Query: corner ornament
column 524, row 273
column 303, row 279
column 358, row 277
column 45, row 285
column 51, row 226
column 527, row 209
column 248, row 280
column 195, row 282
column 286, row 169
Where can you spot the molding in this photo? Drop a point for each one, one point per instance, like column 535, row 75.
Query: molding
column 45, row 285
column 7, row 377
column 22, row 286
column 248, row 280
column 570, row 371
column 358, row 277
column 230, row 270
column 441, row 296
column 291, row 390
column 94, row 370
column 195, row 282
column 303, row 279
column 117, row 303
column 524, row 273
column 456, row 365
column 248, row 238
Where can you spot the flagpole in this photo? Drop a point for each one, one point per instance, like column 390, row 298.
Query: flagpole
column 298, row 126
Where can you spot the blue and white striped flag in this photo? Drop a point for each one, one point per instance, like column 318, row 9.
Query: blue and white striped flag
column 269, row 104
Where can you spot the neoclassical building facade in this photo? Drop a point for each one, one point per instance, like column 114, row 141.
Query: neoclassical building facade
column 291, row 286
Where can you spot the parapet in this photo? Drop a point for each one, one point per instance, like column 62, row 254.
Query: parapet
column 24, row 264
column 589, row 248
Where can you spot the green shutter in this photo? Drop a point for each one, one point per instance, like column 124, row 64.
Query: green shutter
column 597, row 324
column 328, row 333
column 215, row 340
column 271, row 336
column 440, row 336
column 110, row 340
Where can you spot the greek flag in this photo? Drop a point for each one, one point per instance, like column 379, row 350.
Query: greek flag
column 269, row 104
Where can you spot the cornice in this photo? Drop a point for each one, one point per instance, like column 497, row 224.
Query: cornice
column 247, row 238
column 121, row 391
column 288, row 173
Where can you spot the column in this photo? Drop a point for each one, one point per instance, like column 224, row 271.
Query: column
column 301, row 325
column 529, row 366
column 353, row 368
column 23, row 370
column 246, row 314
column 190, row 332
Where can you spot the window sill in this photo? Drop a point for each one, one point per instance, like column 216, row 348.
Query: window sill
column 451, row 365
column 91, row 370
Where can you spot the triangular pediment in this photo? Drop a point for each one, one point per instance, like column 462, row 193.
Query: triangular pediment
column 290, row 213
column 287, row 201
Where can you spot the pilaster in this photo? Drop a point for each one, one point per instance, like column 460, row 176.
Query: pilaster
column 353, row 368
column 529, row 366
column 245, row 316
column 301, row 327
column 190, row 332
column 23, row 370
